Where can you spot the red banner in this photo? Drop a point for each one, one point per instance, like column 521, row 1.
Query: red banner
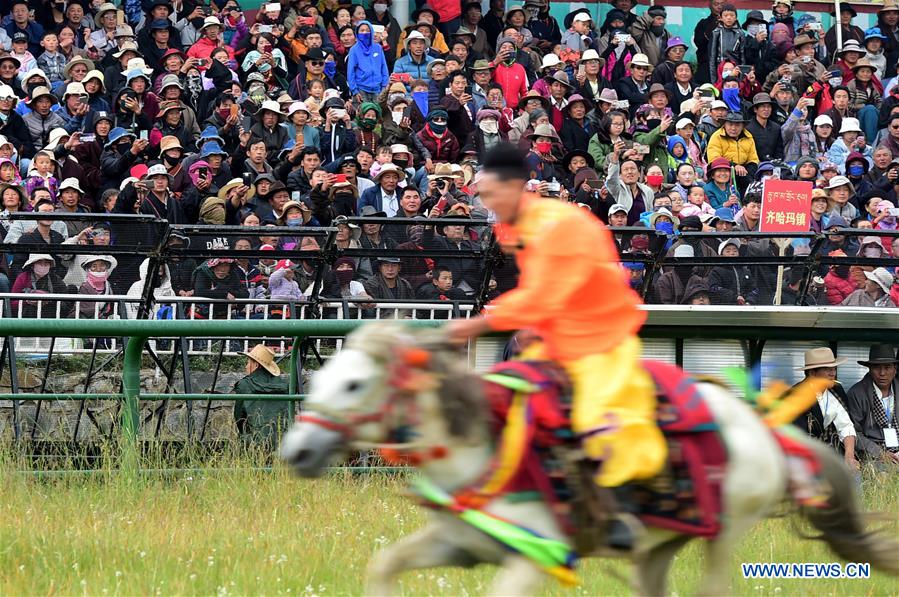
column 786, row 206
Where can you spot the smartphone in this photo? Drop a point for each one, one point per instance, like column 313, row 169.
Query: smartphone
column 581, row 70
column 143, row 135
column 295, row 196
column 83, row 100
column 745, row 68
column 441, row 204
column 706, row 93
column 203, row 172
column 87, row 137
column 202, row 61
column 267, row 49
column 235, row 110
column 404, row 78
column 311, row 22
column 641, row 149
column 468, row 89
column 265, row 28
column 339, row 178
column 595, row 184
column 273, row 7
column 628, row 145
column 893, row 211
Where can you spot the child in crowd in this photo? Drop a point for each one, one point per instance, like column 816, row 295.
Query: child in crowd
column 41, row 174
column 51, row 61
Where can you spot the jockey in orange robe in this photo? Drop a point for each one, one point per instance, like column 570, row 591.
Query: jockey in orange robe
column 573, row 292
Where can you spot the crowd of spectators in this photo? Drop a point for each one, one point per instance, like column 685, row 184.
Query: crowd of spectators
column 307, row 114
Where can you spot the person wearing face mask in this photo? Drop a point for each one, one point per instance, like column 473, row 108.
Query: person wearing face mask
column 379, row 14
column 510, row 75
column 367, row 118
column 437, row 139
column 650, row 34
column 540, row 161
column 367, row 72
column 97, row 270
column 857, row 167
column 487, row 135
column 37, row 276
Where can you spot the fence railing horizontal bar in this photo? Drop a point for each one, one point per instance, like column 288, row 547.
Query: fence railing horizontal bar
column 35, row 397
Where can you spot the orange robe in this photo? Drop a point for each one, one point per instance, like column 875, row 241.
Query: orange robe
column 575, row 294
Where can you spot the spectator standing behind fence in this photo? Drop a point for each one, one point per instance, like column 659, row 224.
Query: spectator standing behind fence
column 262, row 422
column 872, row 407
column 98, row 269
column 827, row 419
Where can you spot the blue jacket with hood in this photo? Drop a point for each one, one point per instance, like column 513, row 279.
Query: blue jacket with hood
column 366, row 66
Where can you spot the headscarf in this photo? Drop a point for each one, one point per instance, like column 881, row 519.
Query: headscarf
column 192, row 171
column 365, row 48
column 674, row 140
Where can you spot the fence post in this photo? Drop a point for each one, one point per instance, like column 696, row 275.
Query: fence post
column 131, row 398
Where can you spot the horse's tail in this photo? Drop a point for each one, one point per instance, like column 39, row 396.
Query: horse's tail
column 842, row 523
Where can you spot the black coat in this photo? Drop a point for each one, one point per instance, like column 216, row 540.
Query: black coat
column 465, row 269
column 768, row 142
column 575, row 136
column 869, row 434
column 627, row 90
column 16, row 131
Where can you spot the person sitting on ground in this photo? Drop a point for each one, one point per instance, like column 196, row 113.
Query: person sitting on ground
column 262, row 422
column 872, row 407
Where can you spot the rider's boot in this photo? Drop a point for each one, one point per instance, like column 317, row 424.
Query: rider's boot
column 621, row 525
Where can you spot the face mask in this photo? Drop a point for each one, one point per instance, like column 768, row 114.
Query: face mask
column 397, row 116
column 401, row 163
column 330, row 68
column 666, row 227
column 726, row 73
column 364, row 38
column 543, row 146
column 491, row 127
column 344, row 276
column 170, row 160
column 842, row 271
column 368, row 123
column 344, row 197
column 654, row 180
column 224, row 113
column 379, row 8
column 41, row 269
column 872, row 252
column 731, row 97
column 856, row 170
column 294, row 222
column 657, row 30
column 98, row 276
column 438, row 129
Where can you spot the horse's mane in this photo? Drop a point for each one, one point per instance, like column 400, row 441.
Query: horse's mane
column 462, row 402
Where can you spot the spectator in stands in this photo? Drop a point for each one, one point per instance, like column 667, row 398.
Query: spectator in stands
column 872, row 407
column 383, row 196
column 218, row 279
column 38, row 277
column 344, row 286
column 466, row 271
column 387, row 284
column 262, row 422
column 440, row 288
column 98, row 269
column 827, row 420
column 876, row 292
column 732, row 284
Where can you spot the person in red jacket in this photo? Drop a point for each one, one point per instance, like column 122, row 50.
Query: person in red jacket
column 437, row 139
column 837, row 283
column 508, row 74
column 212, row 39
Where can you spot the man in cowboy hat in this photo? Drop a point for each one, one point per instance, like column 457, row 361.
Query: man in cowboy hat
column 873, row 404
column 383, row 196
column 827, row 420
column 262, row 421
column 734, row 142
column 765, row 133
column 634, row 88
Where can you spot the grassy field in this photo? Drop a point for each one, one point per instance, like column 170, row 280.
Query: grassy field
column 244, row 532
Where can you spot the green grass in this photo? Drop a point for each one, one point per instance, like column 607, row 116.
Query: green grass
column 258, row 532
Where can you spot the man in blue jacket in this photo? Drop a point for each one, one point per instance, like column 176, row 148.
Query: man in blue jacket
column 366, row 66
column 383, row 196
column 416, row 59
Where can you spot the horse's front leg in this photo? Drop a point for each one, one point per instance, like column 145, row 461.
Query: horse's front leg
column 427, row 548
column 518, row 576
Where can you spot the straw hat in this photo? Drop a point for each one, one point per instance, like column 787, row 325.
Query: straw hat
column 820, row 357
column 265, row 358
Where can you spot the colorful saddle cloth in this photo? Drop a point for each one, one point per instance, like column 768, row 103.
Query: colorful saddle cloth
column 530, row 403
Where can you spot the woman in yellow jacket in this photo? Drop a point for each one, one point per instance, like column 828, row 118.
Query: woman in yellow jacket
column 734, row 142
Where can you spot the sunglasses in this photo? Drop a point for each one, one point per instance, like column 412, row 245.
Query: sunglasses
column 317, row 62
column 638, row 67
column 439, row 120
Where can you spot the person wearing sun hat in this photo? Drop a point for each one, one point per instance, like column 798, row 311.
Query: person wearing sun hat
column 41, row 120
column 827, row 420
column 872, row 407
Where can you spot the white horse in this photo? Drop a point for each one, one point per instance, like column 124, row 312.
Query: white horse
column 352, row 406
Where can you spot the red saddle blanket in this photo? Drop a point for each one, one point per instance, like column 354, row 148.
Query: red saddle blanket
column 684, row 497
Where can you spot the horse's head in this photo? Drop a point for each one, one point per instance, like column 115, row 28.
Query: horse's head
column 368, row 393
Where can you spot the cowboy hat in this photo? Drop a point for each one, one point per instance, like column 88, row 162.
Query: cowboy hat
column 863, row 63
column 168, row 106
column 264, row 357
column 235, row 182
column 282, row 221
column 641, row 60
column 355, row 230
column 78, row 60
column 169, row 142
column 370, row 211
column 211, row 21
column 104, row 8
column 442, row 171
column 544, row 130
column 663, row 212
column 878, row 354
column 816, row 358
column 533, row 95
column 386, row 168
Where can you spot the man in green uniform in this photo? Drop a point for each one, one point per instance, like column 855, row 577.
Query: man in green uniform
column 262, row 422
